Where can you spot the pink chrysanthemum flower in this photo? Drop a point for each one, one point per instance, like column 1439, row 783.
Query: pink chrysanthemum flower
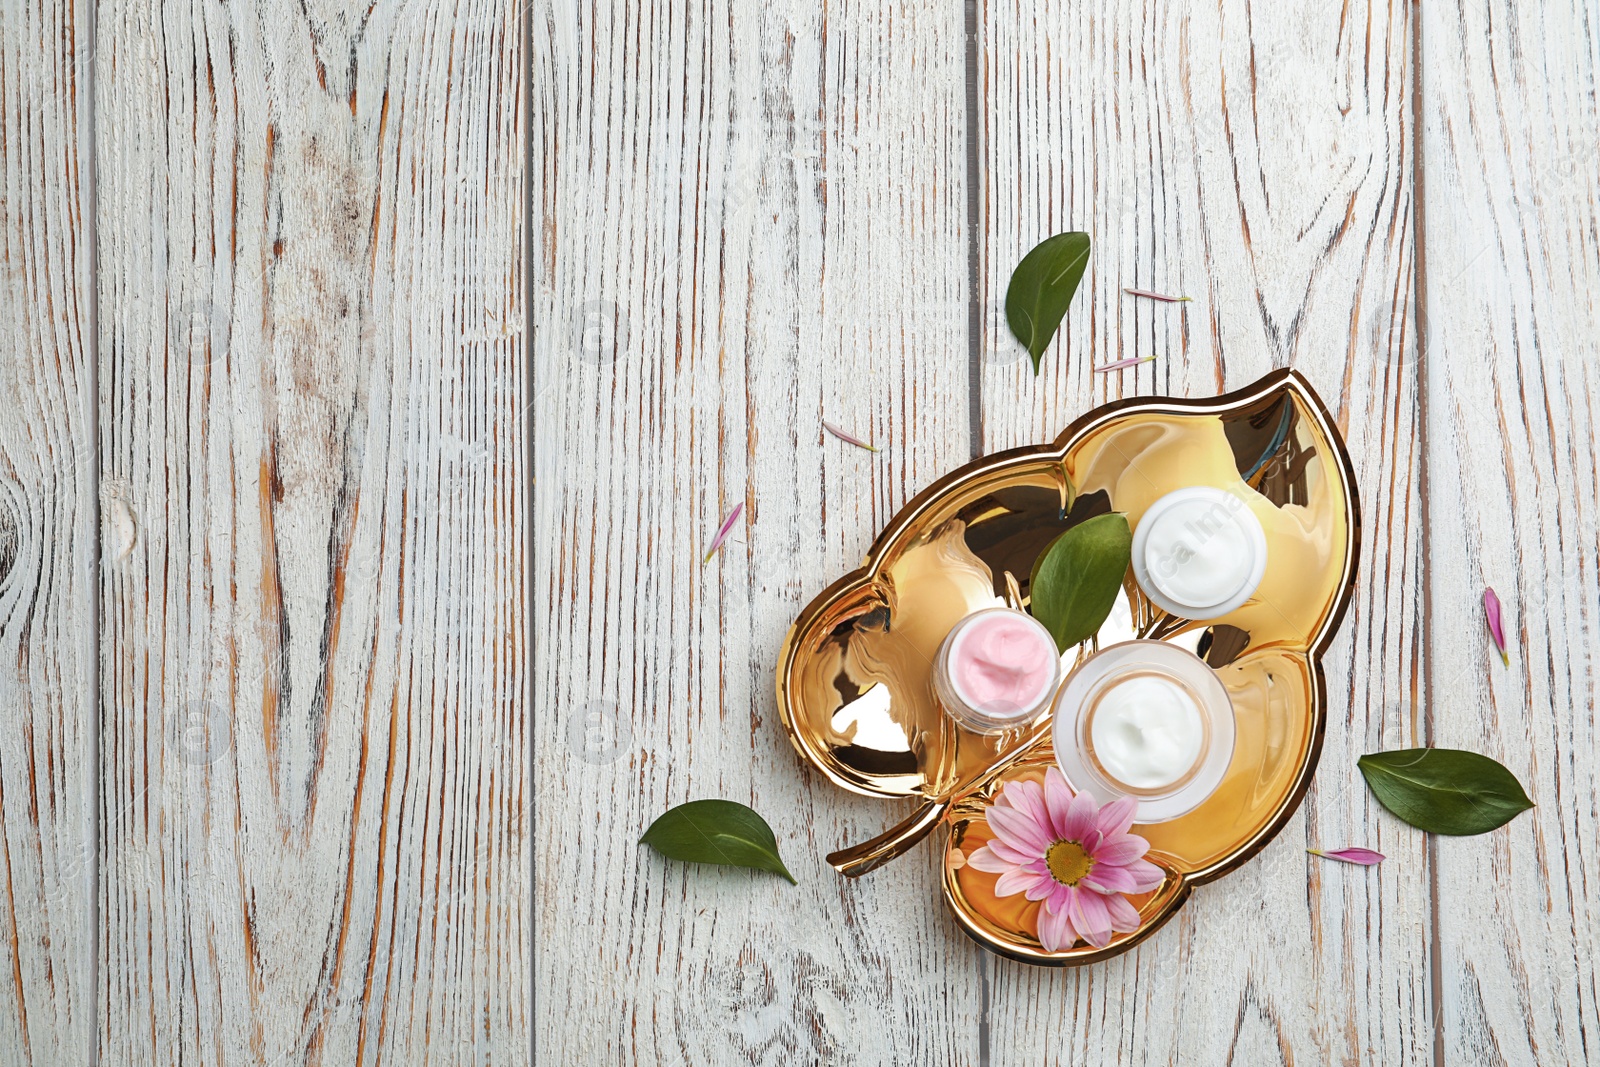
column 1069, row 852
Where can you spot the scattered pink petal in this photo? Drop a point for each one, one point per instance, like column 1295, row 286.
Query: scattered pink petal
column 1163, row 297
column 1491, row 611
column 1119, row 364
column 1062, row 848
column 847, row 438
column 1363, row 856
column 722, row 531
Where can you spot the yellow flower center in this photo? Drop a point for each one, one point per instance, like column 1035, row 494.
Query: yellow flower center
column 1068, row 862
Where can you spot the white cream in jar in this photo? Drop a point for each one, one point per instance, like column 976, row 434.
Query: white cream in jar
column 1145, row 719
column 1147, row 731
column 1199, row 553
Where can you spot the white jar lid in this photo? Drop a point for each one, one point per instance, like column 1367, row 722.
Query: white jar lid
column 1199, row 553
column 1186, row 693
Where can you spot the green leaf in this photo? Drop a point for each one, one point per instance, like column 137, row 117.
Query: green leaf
column 1041, row 288
column 1444, row 790
column 1076, row 579
column 716, row 831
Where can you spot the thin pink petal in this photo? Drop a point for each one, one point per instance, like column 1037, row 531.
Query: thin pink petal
column 1122, row 850
column 1497, row 630
column 1055, row 930
column 1015, row 881
column 847, row 438
column 1080, row 817
column 1028, row 798
column 1146, row 875
column 1057, row 800
column 1105, row 878
column 1163, row 297
column 1124, row 916
column 985, row 859
column 1042, row 888
column 1363, row 856
column 1092, row 918
column 1117, row 816
column 722, row 532
column 1121, row 363
column 1019, row 831
column 1060, row 896
column 1015, row 856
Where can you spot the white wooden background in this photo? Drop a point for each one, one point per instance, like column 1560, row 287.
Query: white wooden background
column 351, row 632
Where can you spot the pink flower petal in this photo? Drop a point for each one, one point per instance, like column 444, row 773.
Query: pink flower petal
column 1042, row 888
column 1122, row 850
column 1092, row 918
column 1121, row 363
column 1146, row 875
column 722, row 531
column 1105, row 878
column 1018, row 831
column 1497, row 630
column 985, row 859
column 1015, row 881
column 1014, row 856
column 1124, row 916
column 1061, row 900
column 1163, row 297
column 1057, row 800
column 1117, row 816
column 1055, row 930
column 1060, row 896
column 1080, row 818
column 1028, row 798
column 1363, row 856
column 847, row 438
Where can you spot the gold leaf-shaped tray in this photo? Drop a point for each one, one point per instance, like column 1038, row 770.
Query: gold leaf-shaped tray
column 854, row 675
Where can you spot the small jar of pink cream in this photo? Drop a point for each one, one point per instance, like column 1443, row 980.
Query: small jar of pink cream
column 998, row 669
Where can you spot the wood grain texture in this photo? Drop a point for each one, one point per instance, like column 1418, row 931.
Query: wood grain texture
column 47, row 539
column 1511, row 150
column 1259, row 161
column 313, row 750
column 749, row 219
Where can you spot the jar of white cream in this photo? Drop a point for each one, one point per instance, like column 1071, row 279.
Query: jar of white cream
column 1199, row 553
column 1148, row 720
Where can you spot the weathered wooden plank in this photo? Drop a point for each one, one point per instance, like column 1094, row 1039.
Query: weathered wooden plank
column 1511, row 149
column 311, row 379
column 1259, row 162
column 749, row 219
column 47, row 537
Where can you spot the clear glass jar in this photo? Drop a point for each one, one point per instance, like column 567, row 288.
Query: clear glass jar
column 1145, row 719
column 997, row 669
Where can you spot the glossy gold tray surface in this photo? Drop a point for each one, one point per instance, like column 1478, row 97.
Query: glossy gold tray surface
column 854, row 675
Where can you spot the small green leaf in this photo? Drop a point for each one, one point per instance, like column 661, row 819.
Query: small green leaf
column 1042, row 287
column 716, row 831
column 1076, row 579
column 1445, row 790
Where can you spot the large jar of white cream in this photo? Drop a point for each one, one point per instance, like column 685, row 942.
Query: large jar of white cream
column 1148, row 720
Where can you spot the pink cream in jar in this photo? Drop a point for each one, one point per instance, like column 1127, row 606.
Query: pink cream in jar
column 997, row 669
